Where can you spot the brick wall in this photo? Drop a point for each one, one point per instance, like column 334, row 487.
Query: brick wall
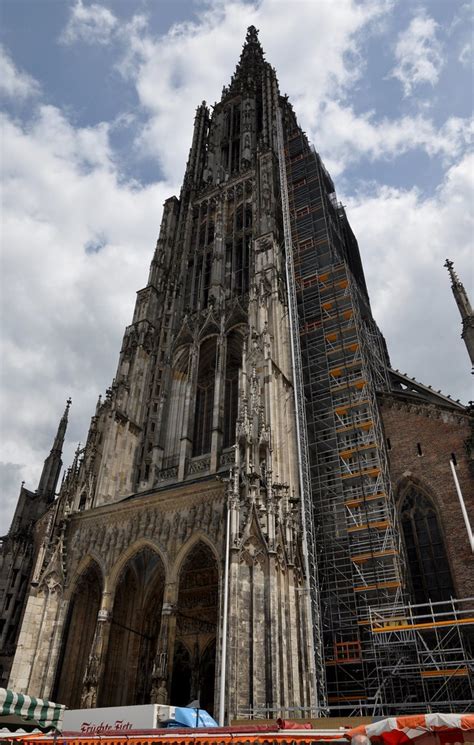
column 438, row 432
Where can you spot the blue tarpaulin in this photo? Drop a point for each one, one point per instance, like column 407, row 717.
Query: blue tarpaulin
column 187, row 717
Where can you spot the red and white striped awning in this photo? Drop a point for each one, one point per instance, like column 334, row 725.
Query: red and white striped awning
column 424, row 728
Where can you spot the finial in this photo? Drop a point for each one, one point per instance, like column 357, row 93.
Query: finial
column 252, row 33
column 68, row 403
column 449, row 266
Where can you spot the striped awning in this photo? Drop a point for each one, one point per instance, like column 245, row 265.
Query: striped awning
column 21, row 710
column 397, row 730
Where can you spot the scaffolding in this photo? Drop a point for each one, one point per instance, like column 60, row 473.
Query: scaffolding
column 309, row 540
column 359, row 551
column 426, row 648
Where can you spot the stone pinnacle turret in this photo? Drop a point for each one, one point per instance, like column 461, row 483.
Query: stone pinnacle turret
column 465, row 309
column 53, row 463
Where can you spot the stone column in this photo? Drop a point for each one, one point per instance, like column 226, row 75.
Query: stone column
column 162, row 669
column 218, row 408
column 273, row 638
column 188, row 418
column 218, row 265
column 96, row 662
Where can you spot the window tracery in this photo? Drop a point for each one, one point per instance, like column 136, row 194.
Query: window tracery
column 204, row 398
column 231, row 388
column 426, row 553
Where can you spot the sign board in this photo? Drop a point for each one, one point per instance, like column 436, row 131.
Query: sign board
column 116, row 718
column 128, row 718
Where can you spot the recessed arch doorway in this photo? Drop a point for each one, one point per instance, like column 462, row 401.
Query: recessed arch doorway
column 78, row 636
column 134, row 629
column 194, row 659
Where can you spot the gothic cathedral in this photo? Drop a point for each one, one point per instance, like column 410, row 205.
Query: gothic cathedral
column 253, row 389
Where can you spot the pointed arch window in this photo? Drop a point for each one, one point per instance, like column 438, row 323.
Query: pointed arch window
column 204, row 398
column 231, row 388
column 426, row 553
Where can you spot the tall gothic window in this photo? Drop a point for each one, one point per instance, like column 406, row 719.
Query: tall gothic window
column 231, row 388
column 427, row 561
column 204, row 398
column 199, row 269
column 238, row 247
column 230, row 145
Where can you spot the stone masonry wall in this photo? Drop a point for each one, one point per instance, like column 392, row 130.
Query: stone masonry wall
column 439, row 433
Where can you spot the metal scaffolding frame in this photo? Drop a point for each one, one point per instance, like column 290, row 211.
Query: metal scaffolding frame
column 429, row 644
column 309, row 540
column 359, row 552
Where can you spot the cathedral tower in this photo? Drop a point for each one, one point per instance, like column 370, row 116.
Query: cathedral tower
column 199, row 420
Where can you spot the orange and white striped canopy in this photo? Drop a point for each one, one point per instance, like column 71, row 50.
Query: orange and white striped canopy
column 424, row 728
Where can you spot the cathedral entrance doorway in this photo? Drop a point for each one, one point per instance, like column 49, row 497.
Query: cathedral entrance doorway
column 79, row 633
column 134, row 629
column 194, row 661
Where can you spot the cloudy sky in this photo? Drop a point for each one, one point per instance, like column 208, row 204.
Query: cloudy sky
column 98, row 100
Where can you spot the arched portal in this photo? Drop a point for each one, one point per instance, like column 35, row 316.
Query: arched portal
column 134, row 629
column 77, row 639
column 196, row 626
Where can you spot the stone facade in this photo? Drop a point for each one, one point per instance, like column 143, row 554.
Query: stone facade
column 199, row 421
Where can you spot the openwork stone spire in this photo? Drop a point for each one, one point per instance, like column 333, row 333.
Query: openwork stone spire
column 251, row 64
column 52, row 465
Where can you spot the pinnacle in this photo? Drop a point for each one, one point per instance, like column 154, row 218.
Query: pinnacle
column 252, row 35
column 450, row 267
column 251, row 59
column 252, row 44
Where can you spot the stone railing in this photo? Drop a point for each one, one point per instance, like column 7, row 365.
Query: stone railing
column 200, row 464
column 227, row 458
column 169, row 470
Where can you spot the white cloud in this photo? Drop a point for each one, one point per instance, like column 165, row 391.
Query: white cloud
column 405, row 239
column 343, row 137
column 64, row 309
column 92, row 24
column 418, row 53
column 465, row 55
column 13, row 83
column 174, row 73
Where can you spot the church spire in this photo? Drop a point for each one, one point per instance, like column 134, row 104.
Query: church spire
column 251, row 63
column 465, row 309
column 52, row 465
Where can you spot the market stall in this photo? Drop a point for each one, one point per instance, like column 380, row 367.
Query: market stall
column 21, row 712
